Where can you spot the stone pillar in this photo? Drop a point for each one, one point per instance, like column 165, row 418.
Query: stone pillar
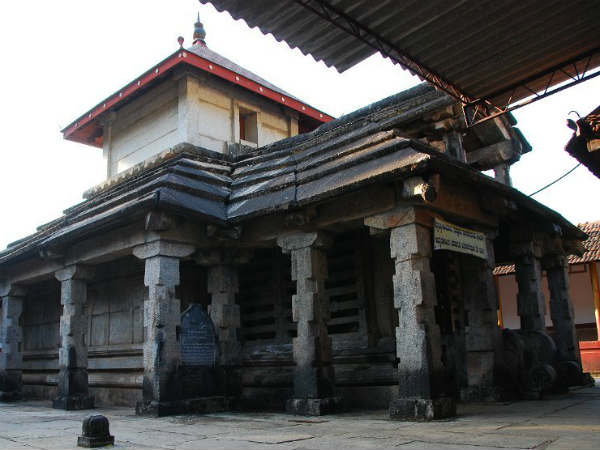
column 223, row 286
column 11, row 337
column 73, row 353
column 162, row 317
column 561, row 309
column 313, row 375
column 417, row 336
column 531, row 304
column 481, row 332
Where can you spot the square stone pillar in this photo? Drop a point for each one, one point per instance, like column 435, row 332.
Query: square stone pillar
column 11, row 357
column 223, row 286
column 73, row 353
column 418, row 342
column 531, row 304
column 162, row 317
column 482, row 334
column 313, row 375
column 563, row 320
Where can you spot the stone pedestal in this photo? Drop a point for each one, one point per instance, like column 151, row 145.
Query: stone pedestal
column 417, row 336
column 73, row 353
column 481, row 333
column 162, row 315
column 11, row 337
column 313, row 375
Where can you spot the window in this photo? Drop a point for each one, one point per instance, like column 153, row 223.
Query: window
column 248, row 123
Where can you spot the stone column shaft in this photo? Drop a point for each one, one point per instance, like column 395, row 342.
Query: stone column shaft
column 223, row 286
column 531, row 303
column 417, row 336
column 561, row 309
column 162, row 318
column 482, row 333
column 313, row 375
column 73, row 352
column 11, row 357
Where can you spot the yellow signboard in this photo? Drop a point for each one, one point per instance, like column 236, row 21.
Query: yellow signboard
column 450, row 237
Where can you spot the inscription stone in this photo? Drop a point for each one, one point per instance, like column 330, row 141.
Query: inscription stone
column 198, row 338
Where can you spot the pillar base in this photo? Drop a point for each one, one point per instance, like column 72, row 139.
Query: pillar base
column 201, row 405
column 313, row 406
column 419, row 409
column 480, row 394
column 74, row 402
column 10, row 396
column 93, row 442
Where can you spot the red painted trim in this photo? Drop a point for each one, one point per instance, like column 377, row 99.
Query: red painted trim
column 74, row 131
column 590, row 356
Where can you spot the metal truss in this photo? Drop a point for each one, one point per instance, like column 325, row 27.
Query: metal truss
column 575, row 71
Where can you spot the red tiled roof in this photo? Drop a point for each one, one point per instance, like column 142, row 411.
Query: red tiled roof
column 88, row 130
column 591, row 244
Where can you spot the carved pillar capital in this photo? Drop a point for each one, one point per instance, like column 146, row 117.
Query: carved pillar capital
column 300, row 240
column 75, row 272
column 8, row 289
column 222, row 256
column 163, row 248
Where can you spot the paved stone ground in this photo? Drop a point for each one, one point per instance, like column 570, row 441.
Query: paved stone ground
column 570, row 421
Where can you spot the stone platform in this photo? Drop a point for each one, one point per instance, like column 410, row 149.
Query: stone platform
column 560, row 422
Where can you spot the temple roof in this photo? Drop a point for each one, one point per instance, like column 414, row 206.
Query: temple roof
column 87, row 128
column 345, row 155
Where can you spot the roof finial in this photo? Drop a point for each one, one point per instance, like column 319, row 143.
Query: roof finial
column 199, row 33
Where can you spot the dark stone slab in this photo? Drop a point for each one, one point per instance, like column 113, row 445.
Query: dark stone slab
column 367, row 172
column 266, row 203
column 74, row 402
column 198, row 338
column 200, row 405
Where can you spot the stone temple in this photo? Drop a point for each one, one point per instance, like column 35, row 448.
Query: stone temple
column 248, row 251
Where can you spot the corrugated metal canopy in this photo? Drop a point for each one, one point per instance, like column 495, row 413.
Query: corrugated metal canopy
column 473, row 49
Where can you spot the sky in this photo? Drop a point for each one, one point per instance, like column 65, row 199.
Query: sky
column 61, row 58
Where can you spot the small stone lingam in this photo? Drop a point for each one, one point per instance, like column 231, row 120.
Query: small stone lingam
column 95, row 432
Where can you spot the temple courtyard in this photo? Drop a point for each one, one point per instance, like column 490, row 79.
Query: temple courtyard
column 569, row 421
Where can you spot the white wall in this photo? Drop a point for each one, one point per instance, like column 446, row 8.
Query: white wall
column 197, row 109
column 581, row 295
column 144, row 127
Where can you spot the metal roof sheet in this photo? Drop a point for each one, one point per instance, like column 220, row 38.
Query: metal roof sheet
column 472, row 49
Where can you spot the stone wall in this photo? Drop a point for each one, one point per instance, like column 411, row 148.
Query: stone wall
column 41, row 339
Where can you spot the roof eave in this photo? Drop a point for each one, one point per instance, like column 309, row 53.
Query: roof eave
column 73, row 131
